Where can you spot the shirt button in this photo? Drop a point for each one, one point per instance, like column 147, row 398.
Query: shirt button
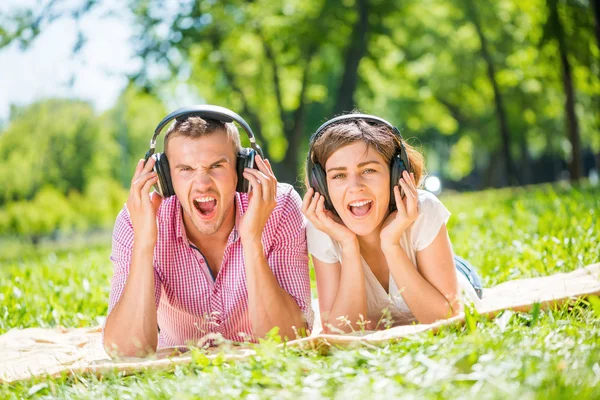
column 201, row 261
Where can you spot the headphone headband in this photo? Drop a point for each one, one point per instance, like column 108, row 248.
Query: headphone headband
column 208, row 112
column 346, row 117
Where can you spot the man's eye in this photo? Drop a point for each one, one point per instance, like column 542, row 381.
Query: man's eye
column 216, row 166
column 368, row 171
column 186, row 168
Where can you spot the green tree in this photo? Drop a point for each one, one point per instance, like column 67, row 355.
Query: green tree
column 52, row 142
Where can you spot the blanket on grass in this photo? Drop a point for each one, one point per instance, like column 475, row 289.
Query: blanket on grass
column 26, row 353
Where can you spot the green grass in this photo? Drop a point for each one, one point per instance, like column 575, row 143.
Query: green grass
column 507, row 234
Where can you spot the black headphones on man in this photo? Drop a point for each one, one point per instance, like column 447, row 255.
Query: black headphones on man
column 318, row 177
column 245, row 158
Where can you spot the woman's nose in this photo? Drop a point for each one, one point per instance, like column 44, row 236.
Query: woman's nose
column 355, row 183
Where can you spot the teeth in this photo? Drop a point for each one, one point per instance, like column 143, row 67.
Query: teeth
column 204, row 199
column 360, row 203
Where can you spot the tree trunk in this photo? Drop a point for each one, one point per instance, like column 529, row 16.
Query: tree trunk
column 596, row 10
column 355, row 51
column 576, row 164
column 525, row 161
column 290, row 164
column 511, row 176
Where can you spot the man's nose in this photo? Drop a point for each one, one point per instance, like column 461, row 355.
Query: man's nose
column 202, row 180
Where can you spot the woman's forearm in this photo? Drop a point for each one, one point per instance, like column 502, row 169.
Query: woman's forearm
column 351, row 300
column 425, row 302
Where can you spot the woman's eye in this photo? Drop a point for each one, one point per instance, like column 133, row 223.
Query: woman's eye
column 368, row 171
column 337, row 176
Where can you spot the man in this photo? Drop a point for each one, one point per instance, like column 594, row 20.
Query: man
column 209, row 259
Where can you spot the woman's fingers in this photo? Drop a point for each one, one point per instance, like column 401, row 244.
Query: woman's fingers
column 320, row 210
column 307, row 199
column 410, row 196
column 313, row 204
column 402, row 205
column 399, row 201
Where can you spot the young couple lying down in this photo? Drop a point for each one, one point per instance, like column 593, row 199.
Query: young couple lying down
column 222, row 248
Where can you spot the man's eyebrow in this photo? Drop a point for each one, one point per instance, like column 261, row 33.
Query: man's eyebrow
column 362, row 164
column 223, row 159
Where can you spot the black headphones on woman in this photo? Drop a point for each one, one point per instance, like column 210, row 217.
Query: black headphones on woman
column 245, row 158
column 317, row 177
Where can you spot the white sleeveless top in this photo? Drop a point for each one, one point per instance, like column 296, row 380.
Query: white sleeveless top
column 432, row 215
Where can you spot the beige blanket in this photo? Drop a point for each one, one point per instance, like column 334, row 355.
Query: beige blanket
column 32, row 352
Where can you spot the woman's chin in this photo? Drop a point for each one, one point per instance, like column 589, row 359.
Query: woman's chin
column 364, row 224
column 361, row 228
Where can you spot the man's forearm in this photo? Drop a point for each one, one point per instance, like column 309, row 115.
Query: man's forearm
column 131, row 327
column 269, row 305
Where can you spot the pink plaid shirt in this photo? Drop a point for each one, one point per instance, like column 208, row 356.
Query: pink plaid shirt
column 190, row 303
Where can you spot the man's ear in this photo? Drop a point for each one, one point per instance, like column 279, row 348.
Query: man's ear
column 156, row 200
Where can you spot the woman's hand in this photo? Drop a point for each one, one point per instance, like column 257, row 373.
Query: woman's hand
column 407, row 211
column 313, row 207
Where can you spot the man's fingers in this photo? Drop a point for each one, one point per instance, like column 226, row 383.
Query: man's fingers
column 267, row 183
column 264, row 167
column 256, row 186
column 269, row 165
column 138, row 170
column 145, row 192
column 147, row 183
column 137, row 188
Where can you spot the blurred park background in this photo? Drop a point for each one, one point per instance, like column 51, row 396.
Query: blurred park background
column 496, row 93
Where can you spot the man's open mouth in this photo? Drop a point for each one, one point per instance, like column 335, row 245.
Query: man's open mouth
column 205, row 205
column 360, row 208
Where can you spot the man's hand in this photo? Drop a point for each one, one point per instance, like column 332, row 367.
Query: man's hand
column 142, row 206
column 262, row 200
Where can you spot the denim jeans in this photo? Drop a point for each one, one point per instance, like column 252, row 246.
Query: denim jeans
column 468, row 270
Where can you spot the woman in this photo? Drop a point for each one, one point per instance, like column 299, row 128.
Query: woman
column 380, row 247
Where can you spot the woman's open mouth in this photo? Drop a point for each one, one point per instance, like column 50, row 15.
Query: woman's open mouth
column 206, row 206
column 360, row 208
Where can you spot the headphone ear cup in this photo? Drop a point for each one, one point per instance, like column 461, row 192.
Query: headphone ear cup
column 318, row 181
column 397, row 167
column 245, row 159
column 161, row 167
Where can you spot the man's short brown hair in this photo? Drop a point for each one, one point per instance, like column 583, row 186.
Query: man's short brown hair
column 196, row 127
